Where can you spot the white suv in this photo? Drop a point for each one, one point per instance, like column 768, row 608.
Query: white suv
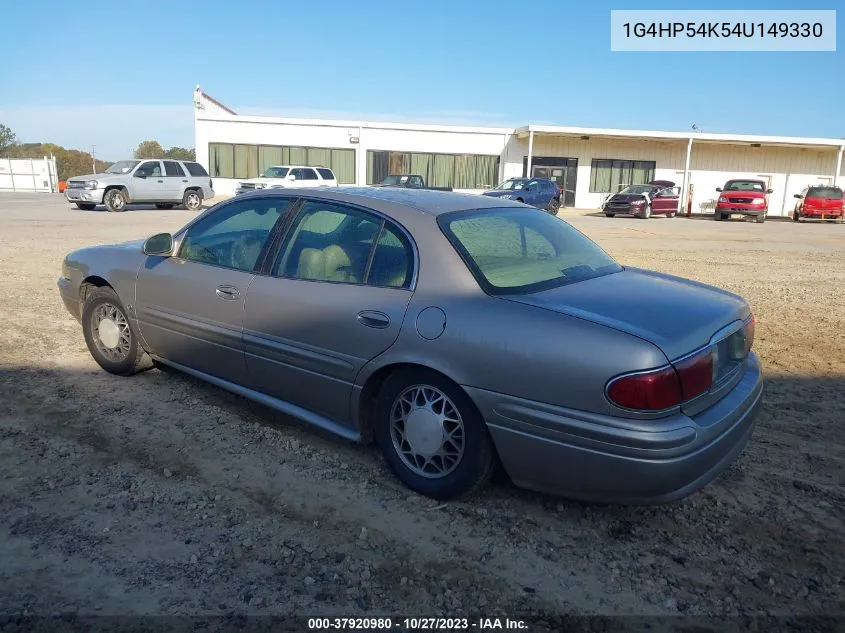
column 285, row 176
column 165, row 182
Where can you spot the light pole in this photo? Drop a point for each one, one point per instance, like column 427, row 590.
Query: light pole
column 93, row 161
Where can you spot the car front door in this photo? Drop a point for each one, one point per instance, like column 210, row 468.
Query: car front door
column 333, row 298
column 147, row 182
column 190, row 306
column 531, row 192
column 664, row 201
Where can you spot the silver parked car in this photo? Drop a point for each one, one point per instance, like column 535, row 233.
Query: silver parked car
column 456, row 331
column 165, row 183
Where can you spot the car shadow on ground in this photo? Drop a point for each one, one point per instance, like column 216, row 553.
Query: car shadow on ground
column 799, row 440
column 135, row 208
column 695, row 216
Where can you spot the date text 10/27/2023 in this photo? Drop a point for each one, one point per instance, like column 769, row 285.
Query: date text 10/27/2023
column 416, row 624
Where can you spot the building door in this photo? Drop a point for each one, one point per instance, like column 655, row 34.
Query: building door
column 563, row 171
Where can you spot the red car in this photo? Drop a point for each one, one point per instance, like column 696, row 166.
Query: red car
column 819, row 202
column 743, row 197
column 658, row 197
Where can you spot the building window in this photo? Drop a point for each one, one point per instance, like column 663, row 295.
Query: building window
column 226, row 160
column 611, row 175
column 459, row 171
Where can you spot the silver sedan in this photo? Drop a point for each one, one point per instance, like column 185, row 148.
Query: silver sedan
column 458, row 332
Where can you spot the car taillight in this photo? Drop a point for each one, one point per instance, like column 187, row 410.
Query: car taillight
column 696, row 373
column 646, row 391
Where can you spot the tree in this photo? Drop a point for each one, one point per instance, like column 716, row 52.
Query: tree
column 149, row 149
column 181, row 153
column 7, row 138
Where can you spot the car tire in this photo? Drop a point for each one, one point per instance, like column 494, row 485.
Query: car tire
column 610, row 215
column 796, row 217
column 554, row 206
column 115, row 200
column 104, row 317
column 645, row 214
column 761, row 218
column 443, row 405
column 671, row 214
column 164, row 205
column 192, row 199
column 86, row 206
column 520, row 200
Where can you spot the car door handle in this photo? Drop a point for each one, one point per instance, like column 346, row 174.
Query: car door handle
column 372, row 318
column 230, row 293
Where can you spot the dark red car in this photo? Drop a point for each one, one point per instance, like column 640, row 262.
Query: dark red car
column 819, row 202
column 743, row 196
column 658, row 197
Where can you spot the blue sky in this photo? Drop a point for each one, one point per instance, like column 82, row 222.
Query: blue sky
column 111, row 74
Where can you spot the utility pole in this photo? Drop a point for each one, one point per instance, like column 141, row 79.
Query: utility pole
column 93, row 161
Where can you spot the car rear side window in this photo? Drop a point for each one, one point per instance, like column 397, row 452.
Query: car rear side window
column 195, row 169
column 511, row 251
column 825, row 193
column 172, row 168
column 326, row 173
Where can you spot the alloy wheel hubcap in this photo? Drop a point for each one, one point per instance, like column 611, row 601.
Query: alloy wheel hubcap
column 427, row 431
column 193, row 201
column 116, row 200
column 111, row 332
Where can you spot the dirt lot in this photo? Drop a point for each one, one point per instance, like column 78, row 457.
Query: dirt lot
column 159, row 494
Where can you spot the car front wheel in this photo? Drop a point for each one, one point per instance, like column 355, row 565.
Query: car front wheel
column 109, row 335
column 645, row 214
column 192, row 200
column 115, row 200
column 432, row 436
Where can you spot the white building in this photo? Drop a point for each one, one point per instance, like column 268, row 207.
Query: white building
column 588, row 163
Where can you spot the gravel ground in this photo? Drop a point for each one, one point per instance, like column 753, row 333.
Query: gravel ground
column 159, row 494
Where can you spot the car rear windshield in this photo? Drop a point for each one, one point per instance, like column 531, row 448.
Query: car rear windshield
column 517, row 251
column 826, row 193
column 195, row 169
column 744, row 185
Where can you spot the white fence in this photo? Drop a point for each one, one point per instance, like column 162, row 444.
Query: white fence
column 28, row 174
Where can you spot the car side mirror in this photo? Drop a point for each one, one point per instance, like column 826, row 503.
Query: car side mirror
column 291, row 177
column 140, row 174
column 159, row 244
column 798, row 195
column 770, row 190
column 718, row 188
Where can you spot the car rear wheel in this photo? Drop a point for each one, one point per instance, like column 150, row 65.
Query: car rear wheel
column 115, row 200
column 86, row 206
column 610, row 215
column 164, row 205
column 432, row 436
column 192, row 200
column 554, row 206
column 109, row 335
column 671, row 214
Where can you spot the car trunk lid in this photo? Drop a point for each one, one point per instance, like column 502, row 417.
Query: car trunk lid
column 677, row 315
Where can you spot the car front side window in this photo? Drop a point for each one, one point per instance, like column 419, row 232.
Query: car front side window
column 150, row 169
column 234, row 235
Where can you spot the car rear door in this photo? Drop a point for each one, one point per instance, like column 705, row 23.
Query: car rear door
column 333, row 299
column 664, row 201
column 190, row 306
column 175, row 180
column 307, row 177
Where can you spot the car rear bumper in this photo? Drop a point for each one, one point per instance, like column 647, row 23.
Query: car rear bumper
column 84, row 196
column 821, row 213
column 69, row 298
column 613, row 460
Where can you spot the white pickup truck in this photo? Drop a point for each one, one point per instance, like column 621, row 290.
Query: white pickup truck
column 285, row 176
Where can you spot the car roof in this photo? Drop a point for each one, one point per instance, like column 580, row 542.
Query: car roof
column 297, row 167
column 383, row 198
